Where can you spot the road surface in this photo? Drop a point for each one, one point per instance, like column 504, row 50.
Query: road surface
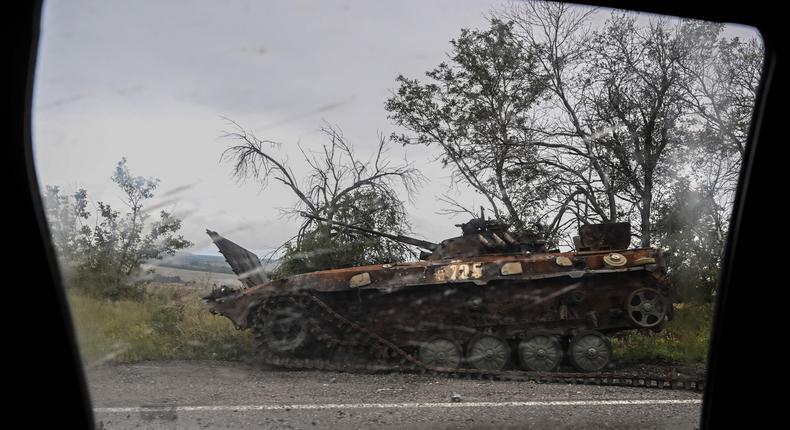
column 220, row 395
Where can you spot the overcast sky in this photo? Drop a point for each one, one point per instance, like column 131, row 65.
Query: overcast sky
column 152, row 81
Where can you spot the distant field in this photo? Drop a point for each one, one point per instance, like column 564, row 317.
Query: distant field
column 196, row 276
column 203, row 263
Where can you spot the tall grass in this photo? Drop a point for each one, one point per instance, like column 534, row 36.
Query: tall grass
column 685, row 339
column 169, row 323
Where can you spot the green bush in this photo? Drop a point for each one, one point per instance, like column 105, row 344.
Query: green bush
column 685, row 339
column 101, row 258
column 165, row 319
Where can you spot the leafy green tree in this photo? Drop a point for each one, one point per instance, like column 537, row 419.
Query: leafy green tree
column 478, row 109
column 687, row 228
column 722, row 76
column 630, row 119
column 103, row 257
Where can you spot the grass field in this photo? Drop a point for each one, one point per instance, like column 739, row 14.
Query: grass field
column 172, row 323
column 684, row 339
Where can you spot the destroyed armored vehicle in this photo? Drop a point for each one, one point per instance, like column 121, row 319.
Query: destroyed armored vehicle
column 488, row 300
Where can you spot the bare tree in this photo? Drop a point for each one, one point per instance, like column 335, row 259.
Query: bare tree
column 562, row 36
column 647, row 121
column 616, row 111
column 640, row 71
column 723, row 77
column 338, row 186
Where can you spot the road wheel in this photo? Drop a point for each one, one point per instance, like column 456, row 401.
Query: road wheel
column 488, row 352
column 590, row 351
column 284, row 325
column 441, row 353
column 542, row 353
column 646, row 307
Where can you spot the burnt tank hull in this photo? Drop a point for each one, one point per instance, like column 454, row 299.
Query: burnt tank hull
column 553, row 306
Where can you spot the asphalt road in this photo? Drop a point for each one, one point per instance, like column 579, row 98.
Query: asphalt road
column 208, row 395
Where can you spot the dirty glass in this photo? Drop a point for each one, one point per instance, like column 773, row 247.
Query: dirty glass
column 289, row 214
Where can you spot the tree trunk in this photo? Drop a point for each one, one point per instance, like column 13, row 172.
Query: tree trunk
column 644, row 212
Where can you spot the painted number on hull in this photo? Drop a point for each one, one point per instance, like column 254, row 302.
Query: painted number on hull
column 459, row 272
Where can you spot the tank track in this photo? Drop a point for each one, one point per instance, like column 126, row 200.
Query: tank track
column 336, row 333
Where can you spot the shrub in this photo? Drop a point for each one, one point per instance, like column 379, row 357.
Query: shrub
column 685, row 339
column 102, row 258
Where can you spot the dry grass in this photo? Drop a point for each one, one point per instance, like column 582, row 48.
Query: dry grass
column 170, row 323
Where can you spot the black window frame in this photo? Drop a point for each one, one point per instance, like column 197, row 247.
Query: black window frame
column 43, row 343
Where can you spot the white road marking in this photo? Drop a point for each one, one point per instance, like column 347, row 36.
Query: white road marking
column 240, row 408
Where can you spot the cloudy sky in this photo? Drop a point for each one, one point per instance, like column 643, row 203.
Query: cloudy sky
column 152, row 81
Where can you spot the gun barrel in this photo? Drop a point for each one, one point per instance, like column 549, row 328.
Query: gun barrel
column 399, row 238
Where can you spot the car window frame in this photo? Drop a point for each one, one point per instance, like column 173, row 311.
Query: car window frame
column 51, row 335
